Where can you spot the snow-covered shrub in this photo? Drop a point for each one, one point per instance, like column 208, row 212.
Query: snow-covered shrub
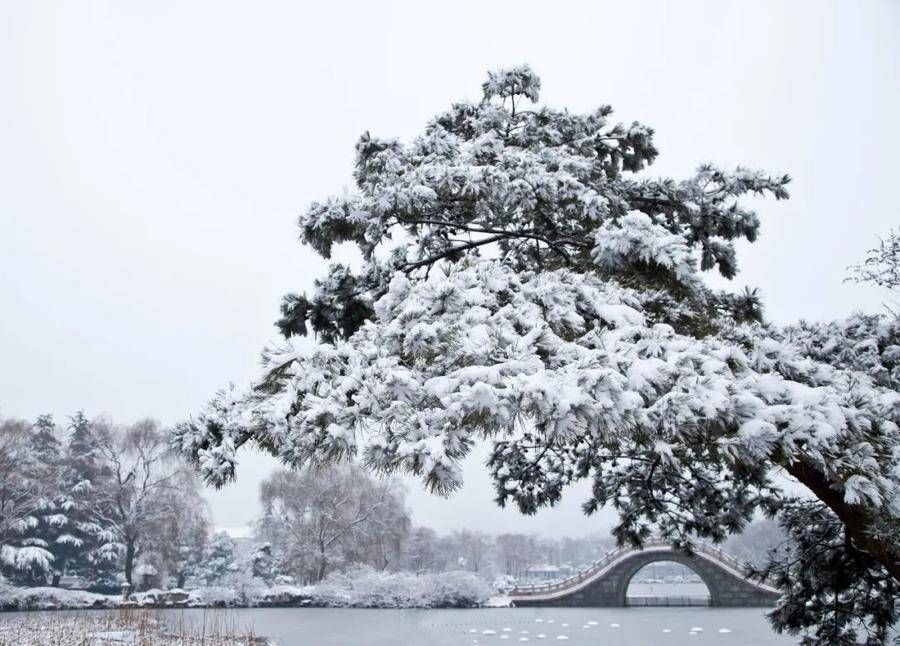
column 15, row 598
column 215, row 597
column 457, row 590
column 368, row 588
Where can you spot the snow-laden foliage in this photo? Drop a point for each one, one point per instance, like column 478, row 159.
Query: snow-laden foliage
column 861, row 343
column 93, row 553
column 565, row 372
column 262, row 563
column 828, row 583
column 26, row 501
column 542, row 188
column 524, row 282
column 26, row 558
column 63, row 537
column 217, row 561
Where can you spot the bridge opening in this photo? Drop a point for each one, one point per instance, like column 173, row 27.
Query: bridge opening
column 666, row 583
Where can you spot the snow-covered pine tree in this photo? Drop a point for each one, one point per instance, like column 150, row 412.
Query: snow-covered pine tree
column 50, row 515
column 524, row 281
column 262, row 563
column 24, row 496
column 87, row 550
column 218, row 560
column 63, row 523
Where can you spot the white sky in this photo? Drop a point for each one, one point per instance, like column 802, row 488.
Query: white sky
column 154, row 156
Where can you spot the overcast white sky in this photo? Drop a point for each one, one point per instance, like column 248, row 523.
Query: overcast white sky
column 154, row 156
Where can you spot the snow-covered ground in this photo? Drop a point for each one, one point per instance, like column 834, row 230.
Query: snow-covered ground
column 13, row 598
column 362, row 588
column 119, row 628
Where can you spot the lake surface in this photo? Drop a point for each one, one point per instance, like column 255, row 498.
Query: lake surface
column 582, row 626
column 636, row 626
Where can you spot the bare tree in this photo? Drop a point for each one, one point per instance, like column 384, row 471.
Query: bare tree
column 472, row 549
column 323, row 519
column 138, row 496
column 516, row 553
column 183, row 533
column 423, row 551
column 881, row 266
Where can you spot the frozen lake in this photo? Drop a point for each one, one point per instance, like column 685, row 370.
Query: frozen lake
column 484, row 627
column 637, row 626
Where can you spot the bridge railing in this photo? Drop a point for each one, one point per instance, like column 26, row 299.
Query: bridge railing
column 596, row 566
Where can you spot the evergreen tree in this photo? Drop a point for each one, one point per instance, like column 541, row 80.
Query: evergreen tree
column 82, row 448
column 93, row 558
column 524, row 281
column 218, row 560
column 24, row 495
column 47, row 533
column 45, row 444
column 262, row 563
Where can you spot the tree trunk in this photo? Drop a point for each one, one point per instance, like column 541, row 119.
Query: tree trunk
column 323, row 561
column 55, row 581
column 854, row 518
column 129, row 560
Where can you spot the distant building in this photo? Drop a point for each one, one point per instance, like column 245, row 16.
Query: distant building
column 547, row 572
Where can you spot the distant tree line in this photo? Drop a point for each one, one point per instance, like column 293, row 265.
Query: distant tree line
column 103, row 503
column 321, row 521
column 317, row 522
column 94, row 504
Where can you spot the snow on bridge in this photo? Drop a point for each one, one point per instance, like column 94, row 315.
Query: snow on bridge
column 605, row 583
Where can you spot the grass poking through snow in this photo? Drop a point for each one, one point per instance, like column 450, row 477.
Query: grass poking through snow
column 126, row 627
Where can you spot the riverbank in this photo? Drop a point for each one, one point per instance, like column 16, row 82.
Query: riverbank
column 361, row 589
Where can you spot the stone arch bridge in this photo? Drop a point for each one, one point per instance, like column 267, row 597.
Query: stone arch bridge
column 605, row 582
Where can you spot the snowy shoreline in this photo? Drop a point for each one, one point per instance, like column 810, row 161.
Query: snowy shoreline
column 361, row 590
column 110, row 602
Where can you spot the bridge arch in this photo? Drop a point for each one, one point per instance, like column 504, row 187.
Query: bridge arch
column 636, row 564
column 605, row 582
